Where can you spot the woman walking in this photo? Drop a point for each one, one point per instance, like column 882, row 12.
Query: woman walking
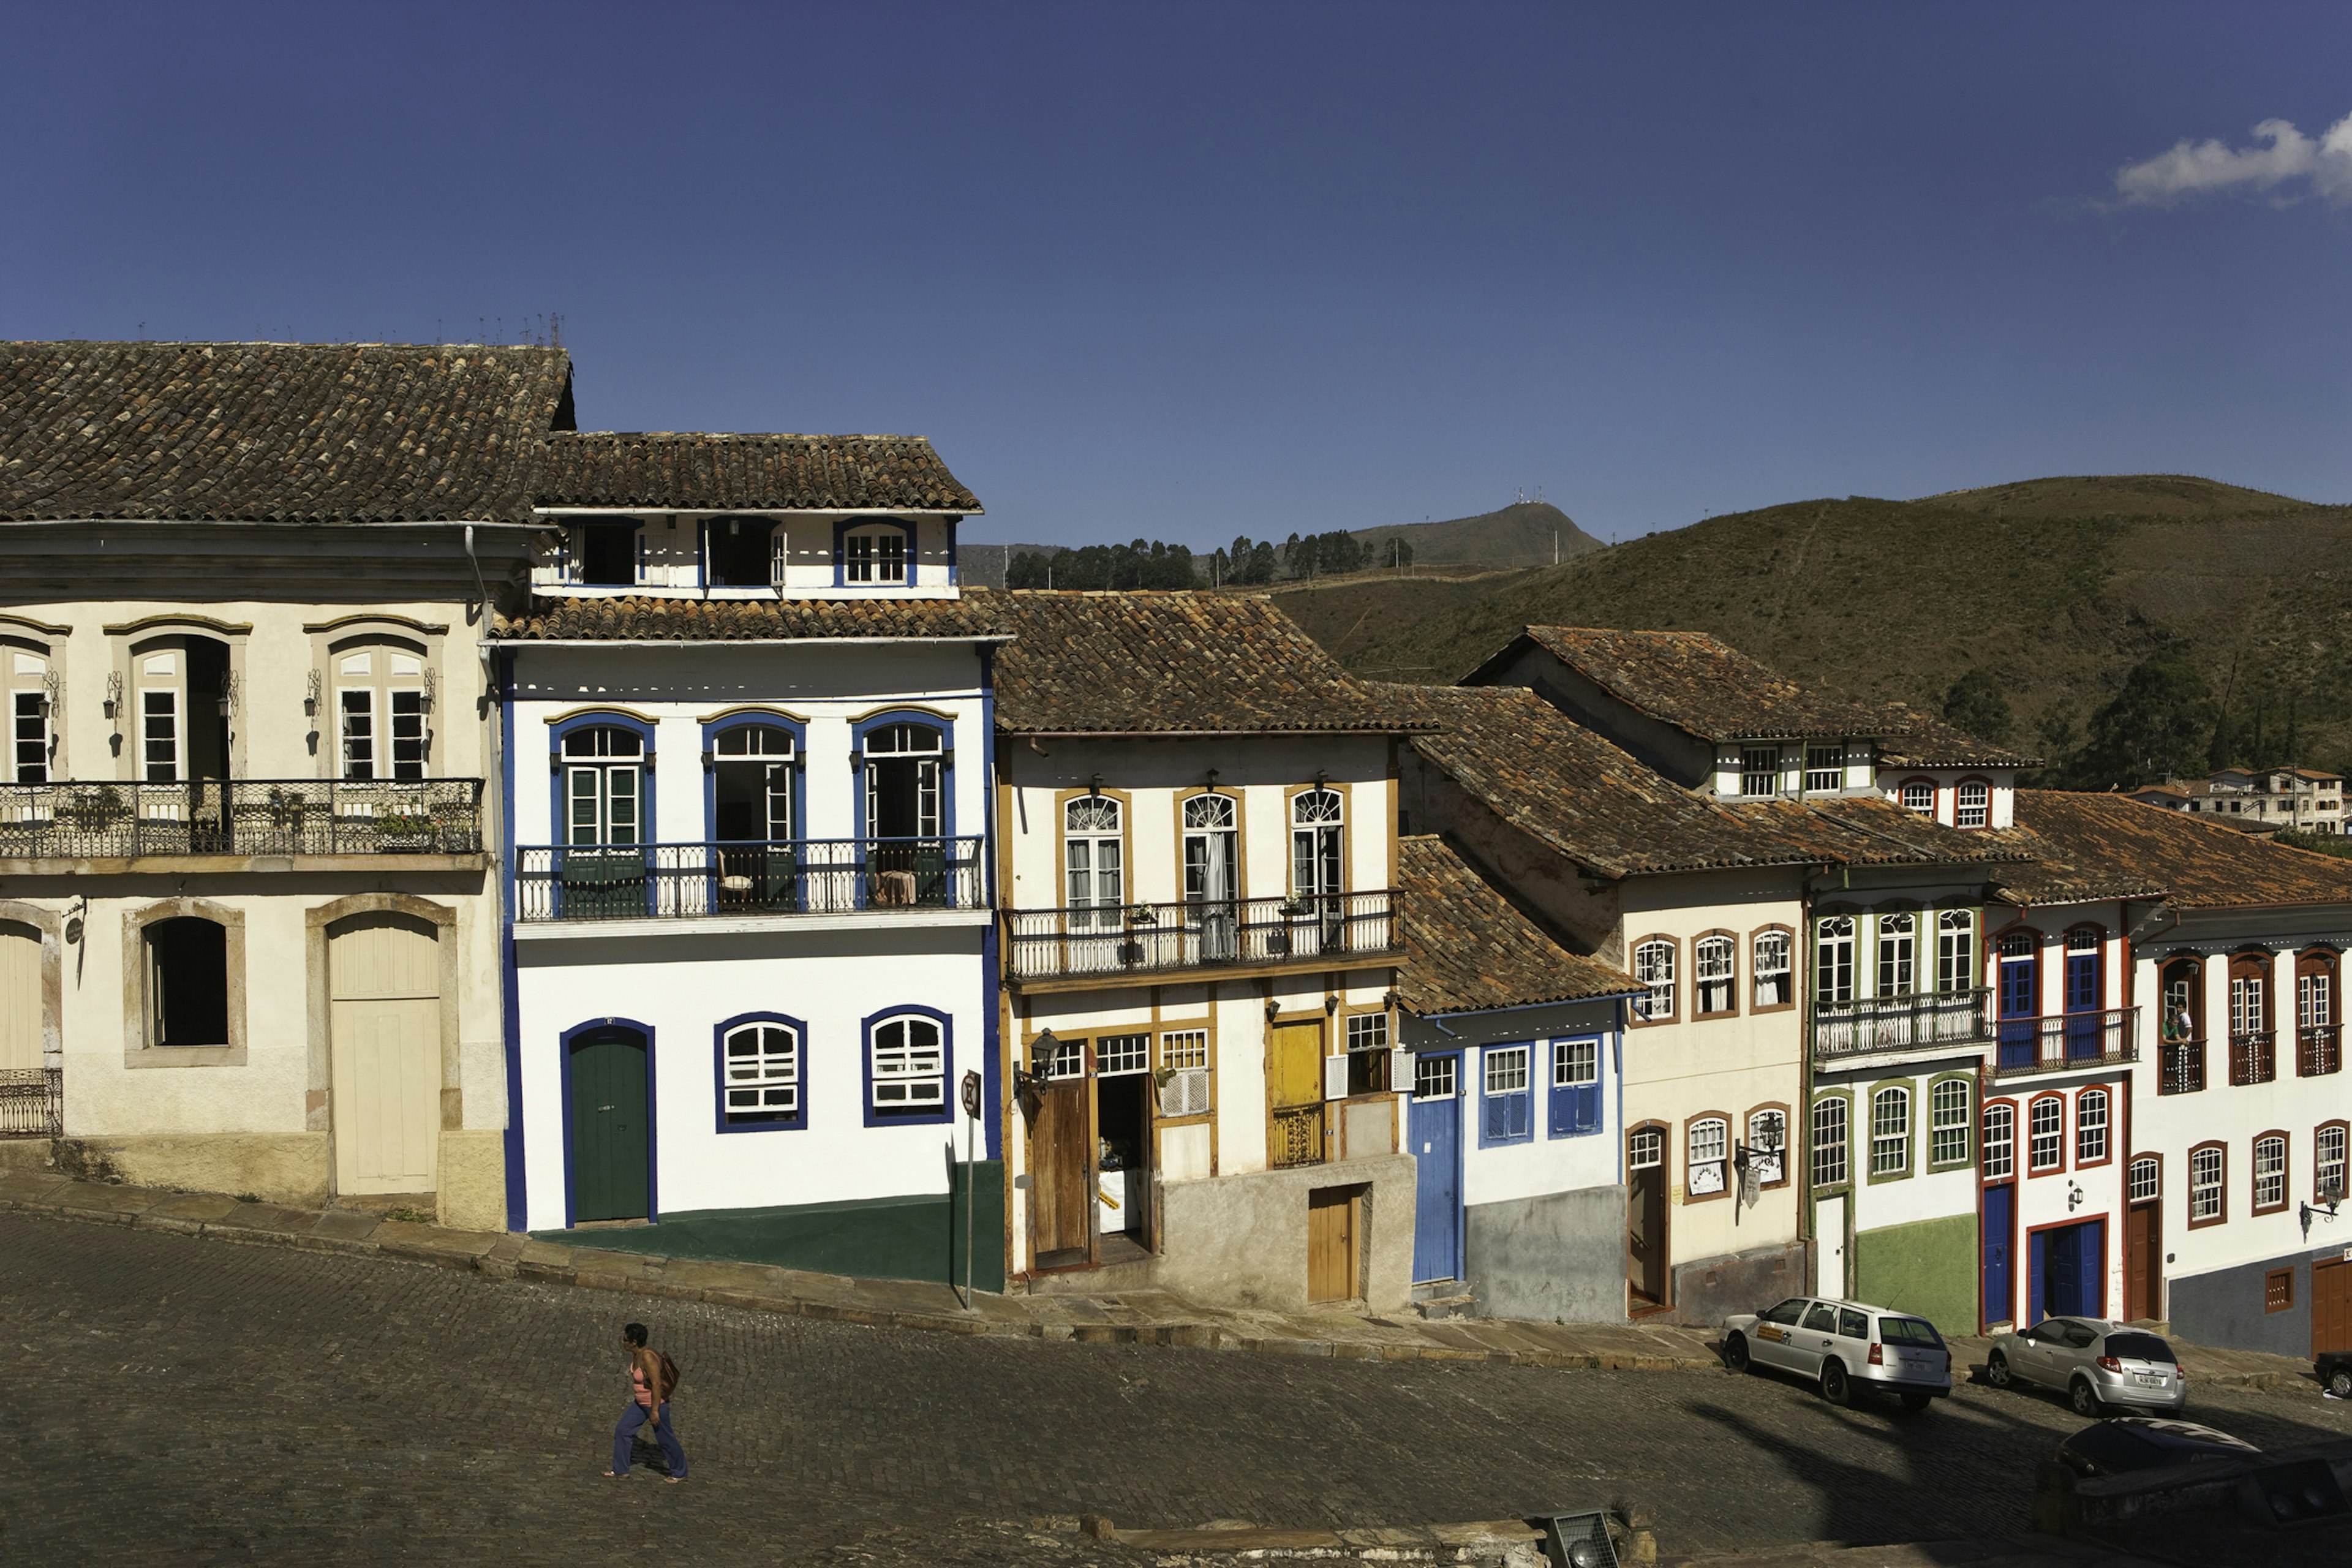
column 652, row 1376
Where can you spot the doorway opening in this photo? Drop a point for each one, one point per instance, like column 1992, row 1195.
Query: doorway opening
column 2067, row 1272
column 743, row 553
column 1645, row 1217
column 1123, row 1178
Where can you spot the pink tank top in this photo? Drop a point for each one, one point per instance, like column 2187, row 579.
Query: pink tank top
column 644, row 1395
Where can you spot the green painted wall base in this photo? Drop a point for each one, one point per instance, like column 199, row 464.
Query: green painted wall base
column 1928, row 1267
column 874, row 1239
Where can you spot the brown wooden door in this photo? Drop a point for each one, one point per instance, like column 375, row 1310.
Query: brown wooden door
column 2144, row 1261
column 1332, row 1222
column 1061, row 1161
column 1645, row 1214
column 2331, row 1307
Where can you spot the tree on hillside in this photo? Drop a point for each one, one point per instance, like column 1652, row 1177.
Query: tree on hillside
column 1976, row 705
column 1145, row 564
column 1247, row 564
column 2159, row 725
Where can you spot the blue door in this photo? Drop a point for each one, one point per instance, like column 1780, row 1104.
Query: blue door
column 2069, row 1268
column 2017, row 1045
column 2082, row 1005
column 1999, row 1254
column 1434, row 1126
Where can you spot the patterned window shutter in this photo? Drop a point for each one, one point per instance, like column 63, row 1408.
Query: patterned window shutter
column 1498, row 1116
column 1522, row 1112
column 1186, row 1092
column 1334, row 1078
column 1587, row 1109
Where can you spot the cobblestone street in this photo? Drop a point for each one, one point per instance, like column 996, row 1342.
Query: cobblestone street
column 180, row 1400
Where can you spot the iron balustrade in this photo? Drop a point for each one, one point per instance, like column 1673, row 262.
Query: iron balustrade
column 794, row 877
column 32, row 1103
column 1899, row 1023
column 79, row 821
column 2253, row 1058
column 2180, row 1067
column 2319, row 1051
column 1125, row 939
column 2064, row 1042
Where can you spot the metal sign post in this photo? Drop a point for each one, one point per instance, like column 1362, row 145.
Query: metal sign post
column 970, row 1172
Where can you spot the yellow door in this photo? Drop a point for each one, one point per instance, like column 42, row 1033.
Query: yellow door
column 385, row 983
column 1294, row 1092
column 1332, row 1220
column 20, row 997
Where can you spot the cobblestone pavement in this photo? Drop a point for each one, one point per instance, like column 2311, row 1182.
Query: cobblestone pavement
column 165, row 1399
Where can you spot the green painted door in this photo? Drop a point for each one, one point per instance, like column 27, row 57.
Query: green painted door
column 609, row 1131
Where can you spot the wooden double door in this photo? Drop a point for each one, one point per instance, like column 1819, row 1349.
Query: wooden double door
column 384, row 1031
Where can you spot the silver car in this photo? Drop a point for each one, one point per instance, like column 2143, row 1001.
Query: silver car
column 2094, row 1362
column 1843, row 1345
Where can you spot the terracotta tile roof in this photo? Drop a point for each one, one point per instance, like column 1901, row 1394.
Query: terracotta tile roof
column 689, row 472
column 2200, row 862
column 633, row 618
column 274, row 432
column 1171, row 663
column 1910, row 739
column 2058, row 873
column 1692, row 681
column 1871, row 830
column 1567, row 787
column 1468, row 949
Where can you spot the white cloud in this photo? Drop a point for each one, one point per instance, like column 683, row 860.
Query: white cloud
column 2286, row 165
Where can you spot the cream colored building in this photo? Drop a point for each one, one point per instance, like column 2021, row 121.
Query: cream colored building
column 248, row 930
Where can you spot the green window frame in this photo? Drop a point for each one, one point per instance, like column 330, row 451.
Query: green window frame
column 1951, row 1112
column 1830, row 1141
column 1892, row 1124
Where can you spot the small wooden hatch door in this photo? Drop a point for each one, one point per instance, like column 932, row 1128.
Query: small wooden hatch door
column 1334, row 1221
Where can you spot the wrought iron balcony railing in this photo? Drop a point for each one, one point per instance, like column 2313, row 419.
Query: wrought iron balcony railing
column 1134, row 938
column 2319, row 1051
column 241, row 817
column 1870, row 1024
column 2180, row 1067
column 2066, row 1042
column 2253, row 1058
column 32, row 1103
column 801, row 876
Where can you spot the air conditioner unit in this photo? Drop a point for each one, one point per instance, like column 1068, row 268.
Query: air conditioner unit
column 1186, row 1092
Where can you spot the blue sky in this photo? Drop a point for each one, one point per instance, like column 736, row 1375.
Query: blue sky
column 1189, row 271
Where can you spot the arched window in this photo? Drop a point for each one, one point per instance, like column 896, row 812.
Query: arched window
column 2000, row 1141
column 1948, row 1122
column 1712, row 959
column 26, row 677
column 1317, row 817
column 1710, row 1153
column 1956, row 950
column 2318, row 1039
column 2253, row 1048
column 1833, row 959
column 2144, row 1180
column 1092, row 860
column 1774, row 986
column 1768, row 1146
column 1830, row 1142
column 2091, row 1127
column 760, row 1073
column 382, row 698
column 1898, row 954
column 1212, row 855
column 1972, row 803
column 602, row 786
column 1890, row 1133
column 903, row 767
column 1920, row 795
column 2045, row 1147
column 2270, row 1173
column 1654, row 968
column 752, row 785
column 907, row 1069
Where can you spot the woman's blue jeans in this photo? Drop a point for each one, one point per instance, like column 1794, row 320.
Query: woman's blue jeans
column 633, row 1417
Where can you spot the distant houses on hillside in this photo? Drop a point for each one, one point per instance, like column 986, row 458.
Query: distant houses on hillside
column 2258, row 800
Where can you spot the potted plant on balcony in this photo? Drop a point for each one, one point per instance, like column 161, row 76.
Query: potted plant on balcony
column 95, row 809
column 403, row 831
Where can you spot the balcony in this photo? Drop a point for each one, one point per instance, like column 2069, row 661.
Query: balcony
column 2253, row 1057
column 32, row 1103
column 2319, row 1051
column 1120, row 940
column 2180, row 1067
column 240, row 817
column 700, row 881
column 1919, row 1022
column 2066, row 1042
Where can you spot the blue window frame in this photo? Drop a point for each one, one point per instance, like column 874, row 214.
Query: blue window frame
column 1575, row 1088
column 602, row 719
column 1506, row 1098
column 907, row 1057
column 872, row 552
column 761, row 1063
column 722, row 747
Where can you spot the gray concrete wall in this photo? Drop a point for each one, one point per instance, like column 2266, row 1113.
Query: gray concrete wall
column 2224, row 1309
column 1711, row 1290
column 1558, row 1258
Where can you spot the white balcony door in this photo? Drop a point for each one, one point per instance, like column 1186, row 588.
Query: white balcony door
column 1093, row 861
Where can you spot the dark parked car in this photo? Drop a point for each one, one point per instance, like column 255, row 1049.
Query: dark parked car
column 2127, row 1443
column 2335, row 1369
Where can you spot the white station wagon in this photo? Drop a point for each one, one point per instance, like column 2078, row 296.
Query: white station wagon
column 1843, row 1345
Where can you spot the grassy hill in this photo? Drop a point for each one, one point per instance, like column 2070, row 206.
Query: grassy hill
column 1526, row 533
column 2055, row 586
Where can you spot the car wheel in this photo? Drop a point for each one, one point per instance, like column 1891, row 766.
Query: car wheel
column 2339, row 1383
column 1834, row 1387
column 1735, row 1354
column 1997, row 1371
column 2085, row 1398
column 1912, row 1400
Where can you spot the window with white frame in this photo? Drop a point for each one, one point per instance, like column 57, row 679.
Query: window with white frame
column 1509, row 1097
column 1890, row 1133
column 1774, row 983
column 1654, row 970
column 2207, row 1168
column 2091, row 1127
column 1711, row 965
column 1645, row 1149
column 752, row 785
column 763, row 1073
column 1768, row 1145
column 2046, row 1143
column 1434, row 1077
column 1575, row 1086
column 1184, row 1072
column 1972, row 805
column 1710, row 1138
column 602, row 774
column 1947, row 1121
column 1212, row 867
column 1833, row 959
column 1092, row 860
column 159, row 717
column 1830, row 1151
column 2248, row 1015
column 1368, row 1031
column 2314, row 1000
column 1955, row 950
column 1317, row 817
column 1920, row 795
column 910, row 1069
column 382, row 698
column 1824, row 769
column 1898, row 954
column 2000, row 1143
column 27, row 685
column 1068, row 1060
column 2328, row 1164
column 1759, row 771
column 2269, row 1173
column 1116, row 1054
column 2144, row 1180
column 873, row 554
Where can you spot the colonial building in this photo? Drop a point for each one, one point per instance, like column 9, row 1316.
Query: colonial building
column 2257, row 800
column 248, row 927
column 1198, row 870
column 752, row 951
column 1517, row 1062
